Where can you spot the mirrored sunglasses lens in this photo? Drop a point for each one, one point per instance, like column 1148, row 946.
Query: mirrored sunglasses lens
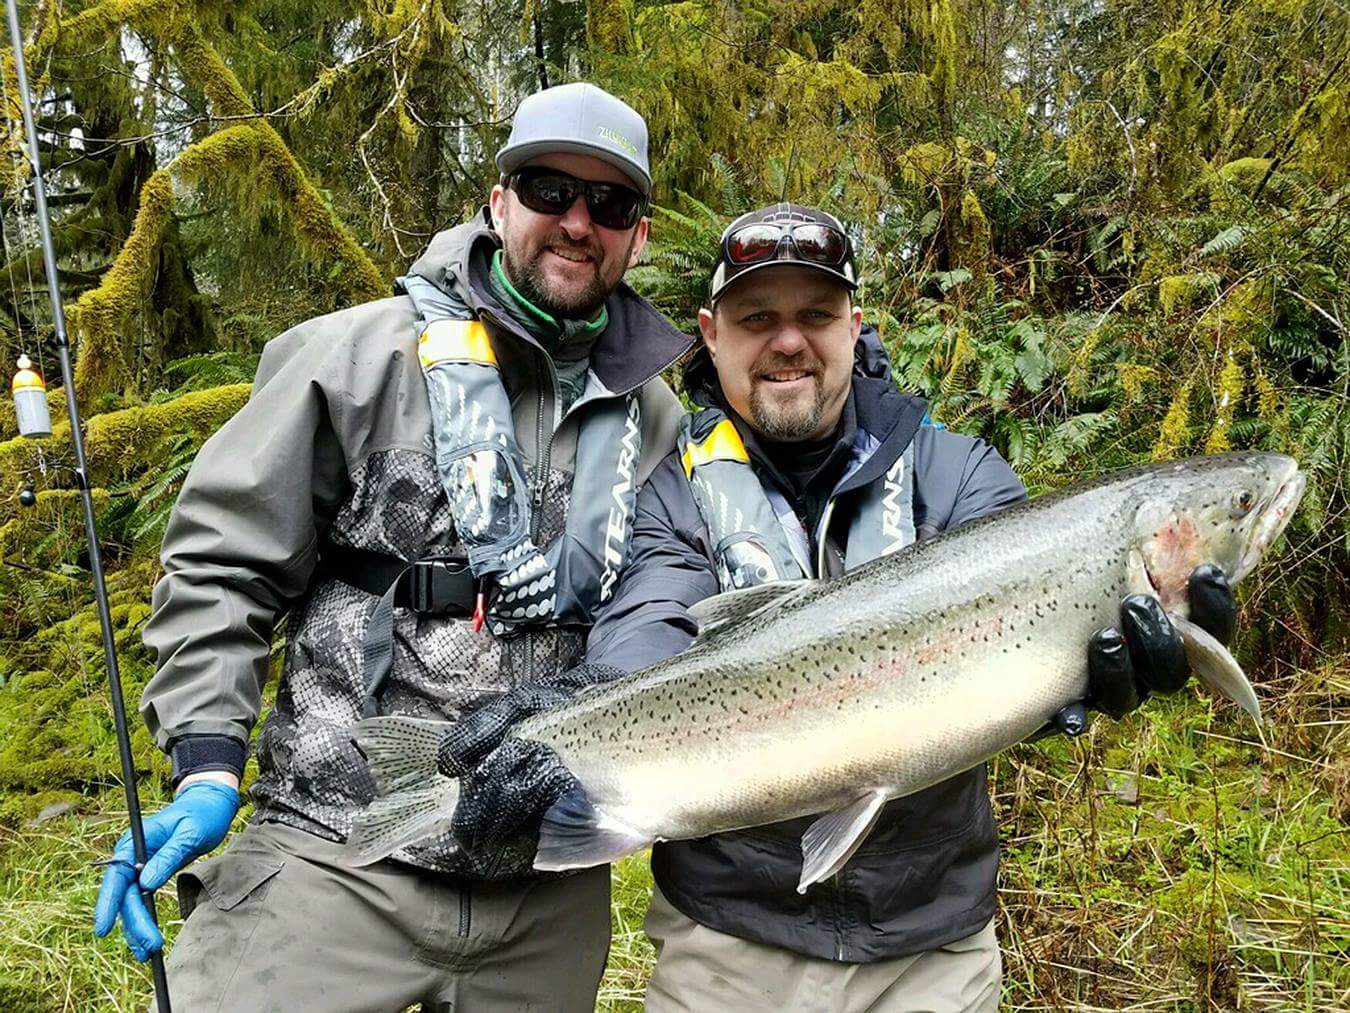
column 614, row 207
column 550, row 195
column 819, row 244
column 753, row 243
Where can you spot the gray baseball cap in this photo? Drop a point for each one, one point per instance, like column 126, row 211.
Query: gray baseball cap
column 583, row 119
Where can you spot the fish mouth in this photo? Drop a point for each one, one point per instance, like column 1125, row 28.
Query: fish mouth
column 1274, row 518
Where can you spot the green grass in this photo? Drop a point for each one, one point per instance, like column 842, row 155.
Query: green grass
column 1223, row 884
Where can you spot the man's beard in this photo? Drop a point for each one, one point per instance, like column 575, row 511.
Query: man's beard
column 792, row 421
column 530, row 281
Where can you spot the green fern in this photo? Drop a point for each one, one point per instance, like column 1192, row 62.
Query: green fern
column 1226, row 241
column 152, row 496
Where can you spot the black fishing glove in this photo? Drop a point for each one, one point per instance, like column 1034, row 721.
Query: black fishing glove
column 479, row 732
column 508, row 793
column 1145, row 653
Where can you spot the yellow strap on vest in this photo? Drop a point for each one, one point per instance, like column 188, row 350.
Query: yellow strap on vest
column 722, row 444
column 455, row 341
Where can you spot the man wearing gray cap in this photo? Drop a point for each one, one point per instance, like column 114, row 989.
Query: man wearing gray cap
column 438, row 488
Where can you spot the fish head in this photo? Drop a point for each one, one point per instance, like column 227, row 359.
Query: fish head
column 1226, row 510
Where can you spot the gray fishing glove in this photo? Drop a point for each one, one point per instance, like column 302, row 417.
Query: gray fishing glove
column 1145, row 653
column 508, row 793
column 479, row 732
column 526, row 590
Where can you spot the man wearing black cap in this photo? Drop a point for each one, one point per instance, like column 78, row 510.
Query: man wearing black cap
column 439, row 489
column 804, row 460
column 832, row 467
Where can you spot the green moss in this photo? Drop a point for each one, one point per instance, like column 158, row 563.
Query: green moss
column 1244, row 173
column 19, row 807
column 609, row 26
column 56, row 729
column 1180, row 293
column 1175, row 431
column 1232, row 383
column 971, row 238
column 100, row 315
column 113, row 440
column 242, row 155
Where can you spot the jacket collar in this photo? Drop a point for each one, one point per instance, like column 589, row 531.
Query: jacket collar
column 636, row 346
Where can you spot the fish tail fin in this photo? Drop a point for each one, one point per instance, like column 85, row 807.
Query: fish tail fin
column 394, row 821
column 401, row 751
column 1216, row 667
column 575, row 835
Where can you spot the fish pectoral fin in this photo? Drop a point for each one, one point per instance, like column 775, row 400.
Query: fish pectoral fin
column 394, row 821
column 401, row 752
column 734, row 606
column 1216, row 667
column 575, row 835
column 1137, row 580
column 830, row 841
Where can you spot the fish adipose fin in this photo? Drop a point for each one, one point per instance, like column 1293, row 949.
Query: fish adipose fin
column 401, row 751
column 830, row 841
column 574, row 835
column 734, row 606
column 1217, row 668
column 392, row 822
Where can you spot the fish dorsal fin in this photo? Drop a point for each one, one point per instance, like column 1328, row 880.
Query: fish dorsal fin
column 830, row 841
column 722, row 610
column 1216, row 667
column 400, row 751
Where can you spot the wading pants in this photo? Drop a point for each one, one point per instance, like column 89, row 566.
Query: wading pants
column 277, row 921
column 699, row 969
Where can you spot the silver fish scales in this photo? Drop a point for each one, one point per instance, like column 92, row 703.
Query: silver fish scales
column 835, row 696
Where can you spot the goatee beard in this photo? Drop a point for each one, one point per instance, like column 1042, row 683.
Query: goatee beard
column 786, row 425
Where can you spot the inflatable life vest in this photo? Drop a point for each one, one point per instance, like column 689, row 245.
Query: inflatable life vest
column 755, row 534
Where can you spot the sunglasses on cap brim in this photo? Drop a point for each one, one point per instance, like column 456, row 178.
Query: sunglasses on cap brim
column 812, row 242
column 550, row 192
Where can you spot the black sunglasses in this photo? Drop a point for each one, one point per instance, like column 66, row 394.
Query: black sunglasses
column 811, row 241
column 550, row 192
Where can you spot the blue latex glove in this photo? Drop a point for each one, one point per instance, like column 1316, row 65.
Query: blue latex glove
column 191, row 825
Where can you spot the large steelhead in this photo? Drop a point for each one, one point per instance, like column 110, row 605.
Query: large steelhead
column 834, row 696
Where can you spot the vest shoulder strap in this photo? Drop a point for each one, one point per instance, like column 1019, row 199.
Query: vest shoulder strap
column 755, row 534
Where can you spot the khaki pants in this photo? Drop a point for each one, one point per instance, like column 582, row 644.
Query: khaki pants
column 700, row 970
column 278, row 921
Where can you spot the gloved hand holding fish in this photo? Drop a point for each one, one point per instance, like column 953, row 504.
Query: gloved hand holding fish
column 836, row 696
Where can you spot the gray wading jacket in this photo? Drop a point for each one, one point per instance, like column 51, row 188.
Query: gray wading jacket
column 925, row 875
column 334, row 448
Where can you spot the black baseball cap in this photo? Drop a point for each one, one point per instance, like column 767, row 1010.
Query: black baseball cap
column 783, row 234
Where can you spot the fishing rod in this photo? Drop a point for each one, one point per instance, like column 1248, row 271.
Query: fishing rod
column 86, row 496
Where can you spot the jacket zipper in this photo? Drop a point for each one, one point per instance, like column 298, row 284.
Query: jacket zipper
column 543, row 446
column 465, row 907
column 837, row 893
column 543, row 452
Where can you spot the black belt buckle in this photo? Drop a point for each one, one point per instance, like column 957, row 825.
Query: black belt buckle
column 441, row 586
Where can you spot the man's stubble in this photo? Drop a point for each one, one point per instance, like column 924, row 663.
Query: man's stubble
column 530, row 281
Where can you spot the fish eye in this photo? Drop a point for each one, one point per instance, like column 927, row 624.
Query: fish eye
column 1243, row 503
